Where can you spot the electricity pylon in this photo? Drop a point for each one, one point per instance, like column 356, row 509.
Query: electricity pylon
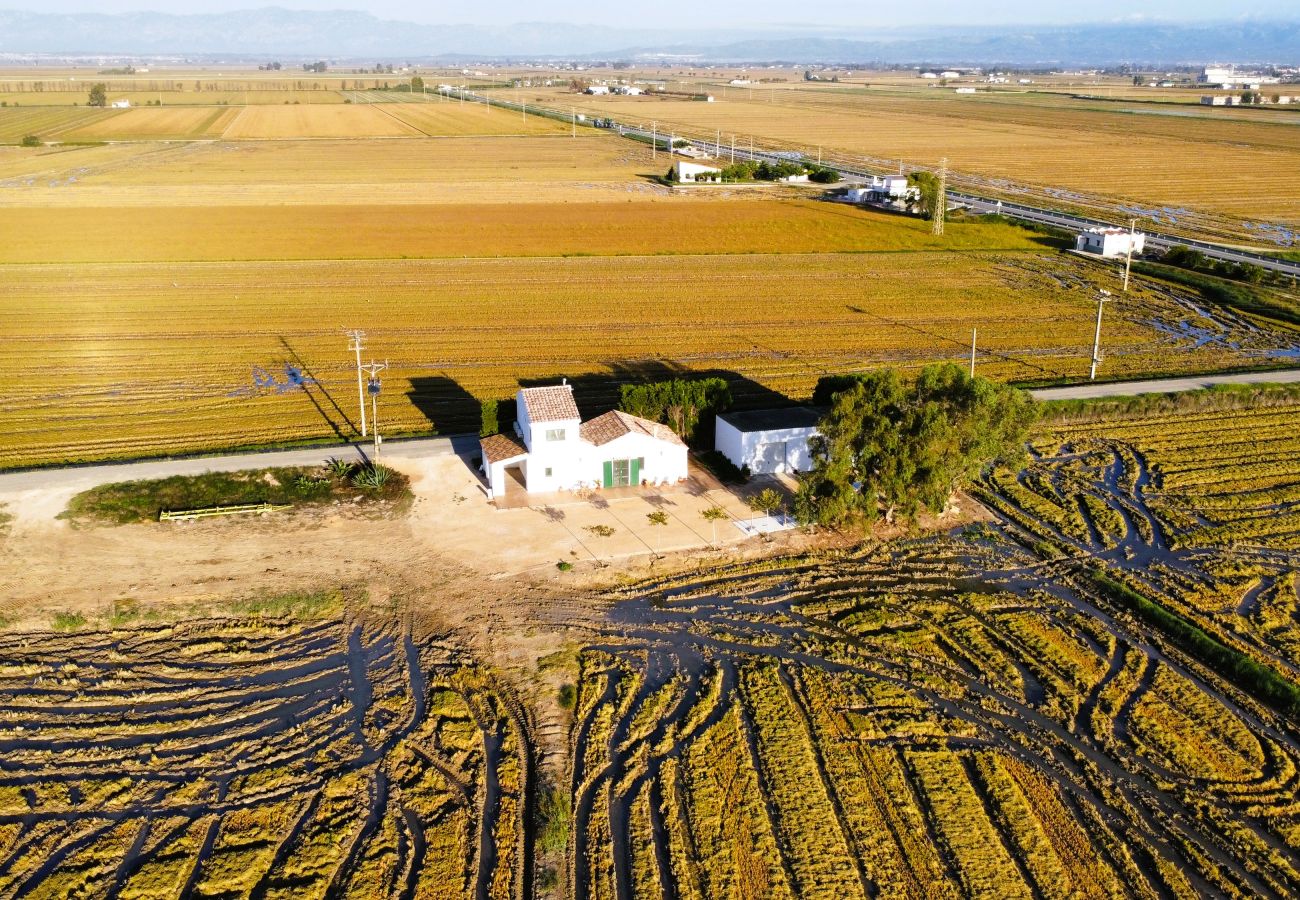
column 940, row 202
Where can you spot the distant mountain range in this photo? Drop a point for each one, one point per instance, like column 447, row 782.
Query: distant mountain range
column 255, row 34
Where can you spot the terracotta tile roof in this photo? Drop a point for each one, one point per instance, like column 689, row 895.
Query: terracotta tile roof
column 550, row 404
column 500, row 446
column 614, row 424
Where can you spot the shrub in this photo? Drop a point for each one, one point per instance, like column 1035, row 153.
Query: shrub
column 564, row 565
column 373, row 477
column 567, row 696
column 685, row 405
column 66, row 621
column 30, row 140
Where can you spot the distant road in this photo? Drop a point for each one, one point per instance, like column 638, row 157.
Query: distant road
column 1163, row 385
column 90, row 475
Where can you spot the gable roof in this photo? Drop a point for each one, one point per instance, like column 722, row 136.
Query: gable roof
column 550, row 404
column 616, row 423
column 499, row 447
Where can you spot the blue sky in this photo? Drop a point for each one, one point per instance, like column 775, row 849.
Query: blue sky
column 679, row 13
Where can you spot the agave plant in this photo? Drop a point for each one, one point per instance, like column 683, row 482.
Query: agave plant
column 373, row 477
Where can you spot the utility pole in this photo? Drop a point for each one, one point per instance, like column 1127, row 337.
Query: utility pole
column 1102, row 299
column 733, row 149
column 972, row 352
column 941, row 202
column 573, row 112
column 372, row 387
column 717, row 143
column 356, row 344
column 1128, row 257
column 654, row 140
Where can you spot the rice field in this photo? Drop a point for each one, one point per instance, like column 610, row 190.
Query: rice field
column 929, row 720
column 197, row 233
column 497, row 169
column 257, row 756
column 1196, row 500
column 107, row 360
column 281, row 120
column 1162, row 166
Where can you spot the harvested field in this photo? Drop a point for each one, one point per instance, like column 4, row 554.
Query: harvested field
column 47, row 123
column 157, row 124
column 439, row 119
column 259, row 757
column 929, row 720
column 196, row 233
column 326, row 121
column 503, row 169
column 1170, row 168
column 110, row 360
column 1196, row 501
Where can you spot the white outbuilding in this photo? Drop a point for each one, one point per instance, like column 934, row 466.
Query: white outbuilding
column 768, row 441
column 552, row 449
column 1109, row 241
column 694, row 173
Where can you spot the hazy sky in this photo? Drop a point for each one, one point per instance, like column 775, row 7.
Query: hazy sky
column 681, row 13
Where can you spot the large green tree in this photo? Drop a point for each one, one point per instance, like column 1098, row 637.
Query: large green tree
column 687, row 405
column 927, row 189
column 98, row 95
column 897, row 447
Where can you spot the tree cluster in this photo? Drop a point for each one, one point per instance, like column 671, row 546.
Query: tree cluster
column 318, row 66
column 687, row 406
column 896, row 447
column 98, row 95
column 1196, row 261
column 927, row 189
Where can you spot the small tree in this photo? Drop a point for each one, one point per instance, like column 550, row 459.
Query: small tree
column 417, row 84
column 766, row 501
column 713, row 515
column 98, row 95
column 926, row 185
column 30, row 140
column 658, row 518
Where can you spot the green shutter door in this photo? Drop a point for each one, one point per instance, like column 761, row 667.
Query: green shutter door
column 636, row 472
column 609, row 473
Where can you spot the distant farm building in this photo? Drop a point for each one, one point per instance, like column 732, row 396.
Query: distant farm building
column 768, row 441
column 597, row 89
column 629, row 91
column 552, row 449
column 965, row 90
column 1109, row 241
column 695, row 173
column 121, row 104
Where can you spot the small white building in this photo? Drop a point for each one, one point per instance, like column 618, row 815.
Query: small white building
column 950, row 74
column 121, row 104
column 768, row 441
column 1109, row 242
column 628, row 91
column 965, row 90
column 552, row 449
column 890, row 189
column 597, row 89
column 695, row 173
column 929, row 75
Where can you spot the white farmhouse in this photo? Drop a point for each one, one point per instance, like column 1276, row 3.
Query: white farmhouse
column 693, row 173
column 1109, row 241
column 121, row 104
column 768, row 441
column 554, row 450
column 596, row 89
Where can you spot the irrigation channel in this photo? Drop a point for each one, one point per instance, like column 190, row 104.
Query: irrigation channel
column 956, row 715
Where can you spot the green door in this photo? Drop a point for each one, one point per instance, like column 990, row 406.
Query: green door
column 636, row 472
column 609, row 473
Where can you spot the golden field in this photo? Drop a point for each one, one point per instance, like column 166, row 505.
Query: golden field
column 1152, row 157
column 156, row 124
column 111, row 360
column 213, row 233
column 496, row 169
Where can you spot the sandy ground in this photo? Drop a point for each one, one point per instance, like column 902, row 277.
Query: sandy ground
column 452, row 546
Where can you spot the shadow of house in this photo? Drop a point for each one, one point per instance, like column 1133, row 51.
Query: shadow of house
column 449, row 408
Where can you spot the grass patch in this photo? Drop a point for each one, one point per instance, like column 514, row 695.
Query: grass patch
column 1262, row 682
column 67, row 622
column 1245, row 298
column 314, row 605
column 125, row 502
column 554, row 814
column 1214, row 398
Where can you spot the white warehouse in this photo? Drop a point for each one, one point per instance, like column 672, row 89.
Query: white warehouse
column 553, row 449
column 1109, row 241
column 768, row 441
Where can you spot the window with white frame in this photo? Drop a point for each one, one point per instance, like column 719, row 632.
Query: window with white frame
column 555, row 434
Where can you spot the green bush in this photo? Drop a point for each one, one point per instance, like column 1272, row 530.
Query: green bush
column 1237, row 295
column 567, row 696
column 564, row 565
column 65, row 621
column 30, row 140
column 686, row 405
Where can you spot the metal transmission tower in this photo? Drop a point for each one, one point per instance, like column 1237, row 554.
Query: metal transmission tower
column 941, row 201
column 356, row 344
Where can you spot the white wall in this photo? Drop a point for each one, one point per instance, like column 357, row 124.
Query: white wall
column 664, row 462
column 766, row 452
